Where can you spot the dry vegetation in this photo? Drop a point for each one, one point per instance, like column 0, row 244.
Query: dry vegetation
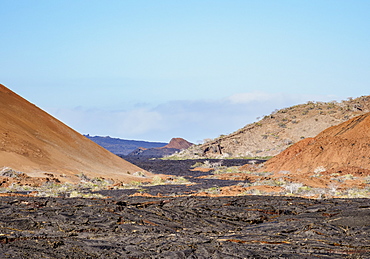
column 14, row 182
column 318, row 184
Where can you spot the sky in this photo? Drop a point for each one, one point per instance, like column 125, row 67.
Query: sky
column 153, row 70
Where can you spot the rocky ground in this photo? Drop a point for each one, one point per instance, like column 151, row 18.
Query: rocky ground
column 184, row 227
column 196, row 180
column 184, row 221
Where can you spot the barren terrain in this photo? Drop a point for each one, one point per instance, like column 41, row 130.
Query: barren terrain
column 275, row 132
column 183, row 221
column 35, row 143
column 341, row 149
column 63, row 196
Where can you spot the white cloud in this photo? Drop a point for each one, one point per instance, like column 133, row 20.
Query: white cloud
column 137, row 122
column 192, row 120
column 128, row 124
column 241, row 98
column 250, row 97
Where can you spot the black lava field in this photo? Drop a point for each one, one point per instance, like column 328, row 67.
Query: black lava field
column 125, row 226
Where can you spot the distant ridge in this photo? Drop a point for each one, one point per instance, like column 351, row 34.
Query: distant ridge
column 34, row 142
column 123, row 146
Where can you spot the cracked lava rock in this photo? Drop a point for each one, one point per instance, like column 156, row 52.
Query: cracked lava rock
column 184, row 227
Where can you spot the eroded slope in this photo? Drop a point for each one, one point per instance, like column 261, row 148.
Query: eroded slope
column 34, row 142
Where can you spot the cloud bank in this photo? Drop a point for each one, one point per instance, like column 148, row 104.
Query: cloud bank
column 193, row 120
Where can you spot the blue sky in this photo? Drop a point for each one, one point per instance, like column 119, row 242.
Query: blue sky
column 153, row 70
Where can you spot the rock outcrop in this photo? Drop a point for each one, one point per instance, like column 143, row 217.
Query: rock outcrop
column 34, row 142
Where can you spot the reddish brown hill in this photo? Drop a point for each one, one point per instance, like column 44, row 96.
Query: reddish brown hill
column 336, row 149
column 34, row 142
column 178, row 143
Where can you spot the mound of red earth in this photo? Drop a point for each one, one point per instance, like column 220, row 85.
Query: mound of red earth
column 35, row 143
column 178, row 143
column 344, row 148
column 175, row 145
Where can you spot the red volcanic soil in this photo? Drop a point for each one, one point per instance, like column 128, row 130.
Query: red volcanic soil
column 33, row 142
column 178, row 143
column 338, row 149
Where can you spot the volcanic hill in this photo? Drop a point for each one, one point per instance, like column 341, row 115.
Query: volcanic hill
column 340, row 149
column 175, row 145
column 279, row 130
column 178, row 143
column 35, row 143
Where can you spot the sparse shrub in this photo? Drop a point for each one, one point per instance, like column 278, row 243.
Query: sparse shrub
column 141, row 190
column 208, row 164
column 197, row 164
column 181, row 180
column 348, row 177
column 253, row 192
column 227, row 170
column 83, row 177
column 157, row 180
column 135, row 183
column 319, row 169
column 213, row 190
column 264, row 174
column 207, row 140
column 270, row 182
column 284, row 172
column 333, row 188
column 357, row 193
column 8, row 172
column 139, row 173
column 293, row 187
column 367, row 180
column 304, row 189
column 275, row 136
